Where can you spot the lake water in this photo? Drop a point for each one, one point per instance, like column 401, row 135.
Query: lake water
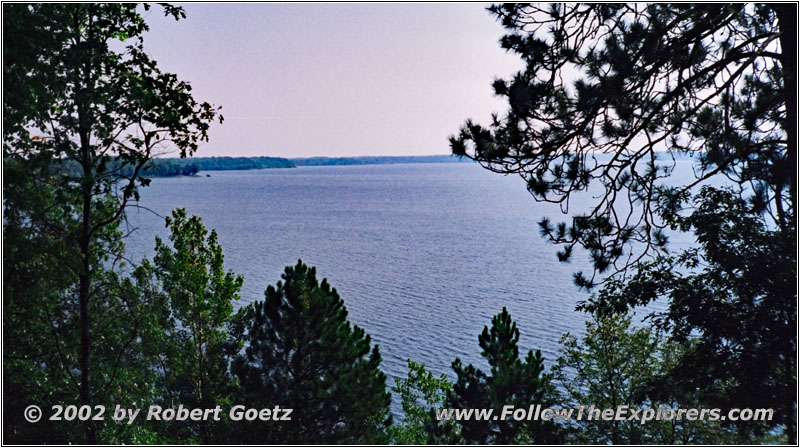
column 422, row 254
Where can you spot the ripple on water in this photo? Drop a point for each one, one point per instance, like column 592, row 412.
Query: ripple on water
column 423, row 255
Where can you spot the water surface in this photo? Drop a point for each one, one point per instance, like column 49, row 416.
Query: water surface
column 422, row 254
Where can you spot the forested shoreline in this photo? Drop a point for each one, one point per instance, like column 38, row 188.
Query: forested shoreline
column 376, row 160
column 175, row 166
column 86, row 327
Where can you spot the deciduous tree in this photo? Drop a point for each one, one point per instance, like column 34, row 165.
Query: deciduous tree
column 421, row 395
column 615, row 364
column 193, row 351
column 731, row 301
column 72, row 92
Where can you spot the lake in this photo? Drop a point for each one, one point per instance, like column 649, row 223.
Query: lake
column 422, row 254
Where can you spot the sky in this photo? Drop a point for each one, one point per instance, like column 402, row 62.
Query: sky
column 304, row 80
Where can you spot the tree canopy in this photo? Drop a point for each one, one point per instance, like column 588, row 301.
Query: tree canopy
column 303, row 354
column 79, row 87
column 193, row 351
column 612, row 94
column 731, row 302
column 512, row 382
column 611, row 99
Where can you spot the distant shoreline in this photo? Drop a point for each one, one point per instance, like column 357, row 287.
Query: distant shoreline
column 189, row 167
column 376, row 160
column 193, row 165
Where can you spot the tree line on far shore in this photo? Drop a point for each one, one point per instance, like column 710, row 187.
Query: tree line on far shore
column 174, row 166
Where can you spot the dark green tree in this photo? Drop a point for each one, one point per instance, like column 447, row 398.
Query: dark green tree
column 511, row 382
column 731, row 301
column 40, row 317
column 69, row 96
column 302, row 354
column 612, row 94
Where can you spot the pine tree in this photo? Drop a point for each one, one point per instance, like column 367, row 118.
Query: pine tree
column 515, row 382
column 303, row 354
column 612, row 93
column 610, row 96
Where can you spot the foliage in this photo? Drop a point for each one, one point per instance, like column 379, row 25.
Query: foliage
column 614, row 365
column 235, row 163
column 302, row 354
column 612, row 93
column 166, row 169
column 68, row 95
column 512, row 381
column 192, row 350
column 41, row 320
column 41, row 316
column 93, row 104
column 733, row 298
column 421, row 394
column 611, row 96
column 34, row 283
column 154, row 168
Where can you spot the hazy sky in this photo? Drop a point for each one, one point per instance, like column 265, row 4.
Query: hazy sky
column 297, row 80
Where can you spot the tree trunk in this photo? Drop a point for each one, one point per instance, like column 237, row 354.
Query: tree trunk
column 85, row 278
column 82, row 86
column 787, row 22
